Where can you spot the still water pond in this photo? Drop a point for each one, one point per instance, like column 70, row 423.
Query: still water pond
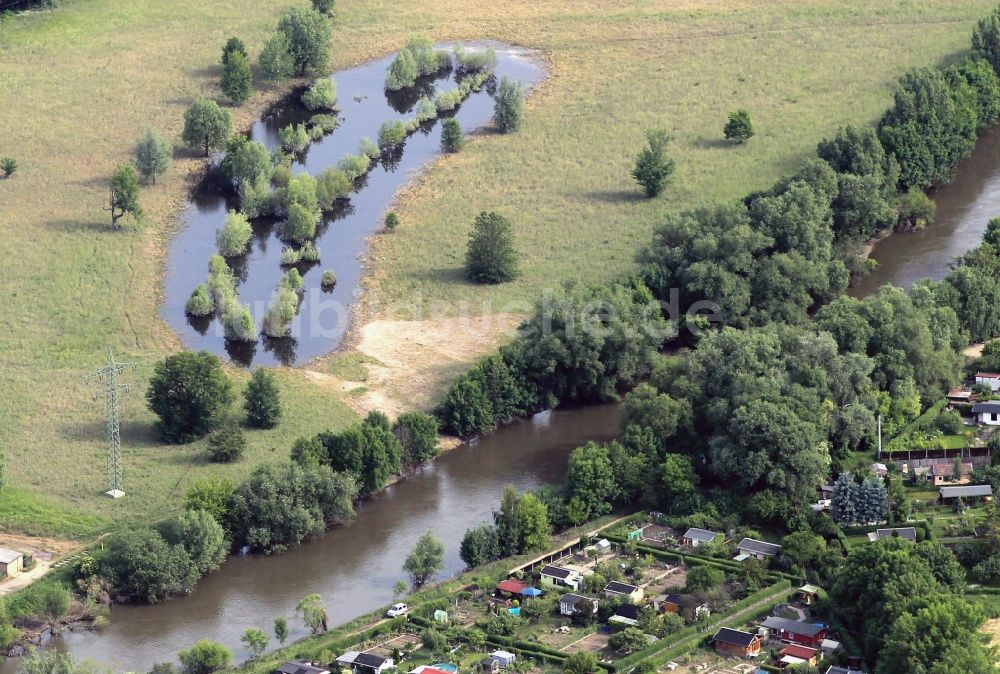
column 323, row 317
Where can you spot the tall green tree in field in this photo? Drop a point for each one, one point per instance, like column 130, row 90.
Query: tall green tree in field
column 653, row 167
column 151, row 155
column 262, row 400
column 237, row 80
column 276, row 60
column 188, row 391
column 491, row 257
column 313, row 612
column 309, row 35
column 255, row 640
column 205, row 657
column 234, row 44
column 591, row 479
column 206, row 125
column 739, row 127
column 986, row 39
column 281, row 629
column 426, row 559
column 508, row 110
column 124, row 195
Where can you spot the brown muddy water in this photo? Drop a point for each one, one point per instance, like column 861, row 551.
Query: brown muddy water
column 355, row 566
column 324, row 315
column 964, row 207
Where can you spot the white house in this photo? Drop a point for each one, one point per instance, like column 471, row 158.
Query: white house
column 751, row 547
column 694, row 537
column 572, row 604
column 557, row 576
column 987, row 413
column 991, row 379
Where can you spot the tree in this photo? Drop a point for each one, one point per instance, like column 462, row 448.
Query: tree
column 532, row 523
column 313, row 612
column 201, row 536
column 804, row 548
column 679, row 478
column 308, row 34
column 234, row 235
column 426, row 559
column 451, row 135
column 480, row 545
column 53, row 601
column 491, row 257
column 402, row 71
column 581, row 662
column 213, row 495
column 652, row 166
column 124, row 194
column 281, row 629
column 205, row 657
column 237, row 79
column 391, row 134
column 276, row 61
column 206, row 125
column 188, row 391
column 629, row 640
column 255, row 640
column 142, row 566
column 399, row 588
column 227, row 443
column 321, row 95
column 739, row 127
column 233, row 44
column 591, row 479
column 324, row 6
column 508, row 112
column 262, row 400
column 986, row 39
column 151, row 155
column 418, row 435
column 704, row 578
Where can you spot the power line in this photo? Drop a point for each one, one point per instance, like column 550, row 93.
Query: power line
column 108, row 388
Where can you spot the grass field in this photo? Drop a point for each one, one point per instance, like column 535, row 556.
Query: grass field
column 78, row 85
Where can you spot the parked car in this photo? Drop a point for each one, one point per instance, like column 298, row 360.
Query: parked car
column 398, row 610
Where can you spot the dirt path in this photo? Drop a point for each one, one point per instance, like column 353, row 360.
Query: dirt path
column 45, row 551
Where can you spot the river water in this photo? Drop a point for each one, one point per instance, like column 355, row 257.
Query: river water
column 355, row 566
column 964, row 207
column 323, row 314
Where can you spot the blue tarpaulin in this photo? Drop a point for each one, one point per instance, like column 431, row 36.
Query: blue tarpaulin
column 531, row 592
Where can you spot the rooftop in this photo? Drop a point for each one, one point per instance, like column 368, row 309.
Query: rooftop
column 630, row 611
column 987, row 407
column 701, row 534
column 762, row 547
column 556, row 572
column 512, row 585
column 7, row 555
column 735, row 637
column 967, row 490
column 793, row 626
column 573, row 599
column 909, row 533
column 620, row 588
column 369, row 660
column 300, row 667
column 797, row 651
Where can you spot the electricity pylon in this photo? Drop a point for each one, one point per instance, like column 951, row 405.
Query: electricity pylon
column 109, row 387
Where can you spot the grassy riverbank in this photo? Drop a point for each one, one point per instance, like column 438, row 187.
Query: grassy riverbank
column 78, row 85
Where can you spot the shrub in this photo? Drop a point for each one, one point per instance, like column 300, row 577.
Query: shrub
column 9, row 166
column 200, row 303
column 325, row 122
column 418, row 434
column 476, row 61
column 739, row 127
column 491, row 257
column 391, row 220
column 300, row 225
column 653, row 167
column 205, row 657
column 151, row 155
column 391, row 134
column 368, row 148
column 329, row 279
column 280, row 313
column 206, row 125
column 447, row 100
column 202, row 537
column 247, row 162
column 276, row 58
column 916, row 210
column 221, row 283
column 508, row 109
column 354, row 166
column 324, row 6
column 188, row 391
column 237, row 323
column 451, row 135
column 142, row 566
column 237, row 80
column 292, row 280
column 233, row 44
column 290, row 256
column 262, row 398
column 294, row 137
column 308, row 34
column 310, row 252
column 233, row 237
column 402, row 71
column 425, row 110
column 426, row 60
column 321, row 95
column 332, row 184
column 227, row 443
column 124, row 194
column 986, row 38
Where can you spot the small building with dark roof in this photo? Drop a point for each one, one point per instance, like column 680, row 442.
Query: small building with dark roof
column 300, row 667
column 625, row 591
column 807, row 634
column 751, row 547
column 694, row 537
column 987, row 413
column 729, row 642
column 626, row 614
column 365, row 663
column 576, row 604
column 558, row 576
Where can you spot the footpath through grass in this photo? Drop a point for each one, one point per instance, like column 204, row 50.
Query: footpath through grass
column 79, row 84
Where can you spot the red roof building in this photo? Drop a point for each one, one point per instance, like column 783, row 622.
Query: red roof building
column 512, row 585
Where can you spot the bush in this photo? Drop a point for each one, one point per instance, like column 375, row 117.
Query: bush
column 329, row 279
column 301, row 190
column 310, row 252
column 237, row 80
column 280, row 313
column 391, row 221
column 262, row 399
column 151, row 155
column 354, row 166
column 202, row 537
column 491, row 257
column 418, row 434
column 294, row 137
column 447, row 100
column 237, row 323
column 653, row 167
column 258, row 199
column 949, row 422
column 188, row 391
column 321, row 95
column 332, row 184
column 508, row 109
column 426, row 60
column 325, row 122
column 205, row 657
column 451, row 135
column 324, row 6
column 368, row 148
column 391, row 134
column 276, row 58
column 246, row 161
column 300, row 225
column 477, row 61
column 221, row 283
column 402, row 71
column 290, row 256
column 739, row 127
column 227, row 444
column 200, row 303
column 9, row 166
column 142, row 566
column 916, row 210
column 206, row 125
column 292, row 280
column 308, row 34
column 233, row 237
column 233, row 44
column 986, row 38
column 425, row 110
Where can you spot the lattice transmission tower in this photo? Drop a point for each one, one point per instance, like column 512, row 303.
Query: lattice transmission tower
column 109, row 387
